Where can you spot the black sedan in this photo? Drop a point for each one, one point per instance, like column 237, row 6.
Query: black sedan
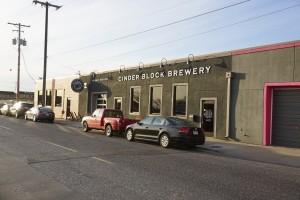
column 166, row 131
column 40, row 114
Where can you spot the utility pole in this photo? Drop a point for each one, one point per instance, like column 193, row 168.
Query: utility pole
column 20, row 42
column 46, row 4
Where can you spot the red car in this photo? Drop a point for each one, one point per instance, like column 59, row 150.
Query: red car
column 110, row 120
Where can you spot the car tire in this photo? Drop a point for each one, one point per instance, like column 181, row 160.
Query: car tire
column 108, row 130
column 85, row 127
column 34, row 118
column 164, row 140
column 191, row 146
column 129, row 135
column 25, row 117
column 16, row 115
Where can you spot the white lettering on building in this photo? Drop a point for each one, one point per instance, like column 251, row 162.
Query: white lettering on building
column 170, row 73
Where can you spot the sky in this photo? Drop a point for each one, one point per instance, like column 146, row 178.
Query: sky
column 100, row 35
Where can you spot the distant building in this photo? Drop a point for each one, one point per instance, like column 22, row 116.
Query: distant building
column 10, row 97
column 59, row 96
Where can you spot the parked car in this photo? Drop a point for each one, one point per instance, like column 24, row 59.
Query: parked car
column 110, row 120
column 166, row 131
column 40, row 114
column 5, row 109
column 1, row 105
column 19, row 109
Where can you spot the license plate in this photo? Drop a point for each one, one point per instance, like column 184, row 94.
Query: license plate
column 195, row 132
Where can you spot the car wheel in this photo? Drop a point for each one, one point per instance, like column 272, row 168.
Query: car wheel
column 129, row 135
column 34, row 118
column 17, row 115
column 164, row 140
column 25, row 117
column 108, row 130
column 85, row 127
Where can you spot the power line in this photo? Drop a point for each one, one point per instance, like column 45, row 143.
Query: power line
column 195, row 35
column 26, row 67
column 152, row 29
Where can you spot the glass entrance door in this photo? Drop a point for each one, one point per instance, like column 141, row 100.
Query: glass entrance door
column 208, row 118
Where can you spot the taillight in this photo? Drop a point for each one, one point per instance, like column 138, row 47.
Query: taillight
column 184, row 130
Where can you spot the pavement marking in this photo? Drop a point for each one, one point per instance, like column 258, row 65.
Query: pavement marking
column 62, row 147
column 102, row 160
column 5, row 127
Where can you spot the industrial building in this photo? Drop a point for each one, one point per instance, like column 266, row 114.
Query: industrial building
column 250, row 95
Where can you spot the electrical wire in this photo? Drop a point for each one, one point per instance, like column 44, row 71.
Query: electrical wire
column 26, row 67
column 152, row 29
column 191, row 36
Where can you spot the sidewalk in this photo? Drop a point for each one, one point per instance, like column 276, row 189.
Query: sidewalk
column 267, row 154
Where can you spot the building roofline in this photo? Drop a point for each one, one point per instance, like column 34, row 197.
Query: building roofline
column 201, row 57
column 270, row 47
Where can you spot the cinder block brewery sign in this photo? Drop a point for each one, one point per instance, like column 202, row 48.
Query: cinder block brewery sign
column 170, row 73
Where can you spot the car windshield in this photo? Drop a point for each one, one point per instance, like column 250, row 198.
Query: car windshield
column 181, row 122
column 27, row 105
column 45, row 109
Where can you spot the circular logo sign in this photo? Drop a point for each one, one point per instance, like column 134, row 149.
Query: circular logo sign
column 77, row 85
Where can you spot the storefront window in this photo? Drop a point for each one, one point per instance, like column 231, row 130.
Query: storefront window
column 48, row 98
column 135, row 93
column 118, row 103
column 40, row 97
column 179, row 99
column 102, row 100
column 155, row 99
column 58, row 98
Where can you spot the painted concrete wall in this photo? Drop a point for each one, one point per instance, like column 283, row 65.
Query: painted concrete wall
column 63, row 84
column 207, row 85
column 251, row 71
column 297, row 64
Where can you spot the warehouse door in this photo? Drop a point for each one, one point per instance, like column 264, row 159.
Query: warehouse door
column 286, row 118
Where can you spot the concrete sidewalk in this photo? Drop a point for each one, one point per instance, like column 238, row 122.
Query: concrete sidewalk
column 267, row 154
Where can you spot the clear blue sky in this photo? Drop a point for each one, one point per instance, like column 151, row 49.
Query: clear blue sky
column 88, row 35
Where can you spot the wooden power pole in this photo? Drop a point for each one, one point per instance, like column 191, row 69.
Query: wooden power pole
column 20, row 42
column 47, row 5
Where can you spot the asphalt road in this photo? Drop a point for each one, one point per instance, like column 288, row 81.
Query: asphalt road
column 55, row 161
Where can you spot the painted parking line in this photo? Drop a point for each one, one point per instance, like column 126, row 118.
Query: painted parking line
column 62, row 147
column 99, row 159
column 5, row 127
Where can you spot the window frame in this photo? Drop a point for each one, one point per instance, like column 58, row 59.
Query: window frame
column 150, row 102
column 100, row 93
column 130, row 100
column 61, row 100
column 174, row 100
column 120, row 98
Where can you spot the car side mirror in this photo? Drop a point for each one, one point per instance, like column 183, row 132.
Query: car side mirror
column 141, row 124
